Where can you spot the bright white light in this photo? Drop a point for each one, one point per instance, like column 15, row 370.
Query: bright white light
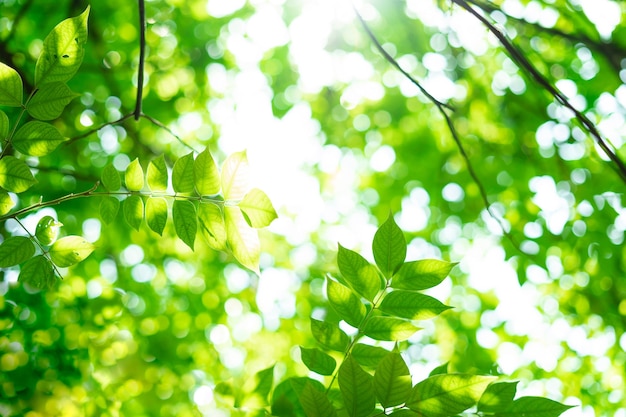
column 382, row 159
column 605, row 14
column 203, row 395
column 221, row 8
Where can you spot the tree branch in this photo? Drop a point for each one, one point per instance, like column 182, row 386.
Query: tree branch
column 142, row 58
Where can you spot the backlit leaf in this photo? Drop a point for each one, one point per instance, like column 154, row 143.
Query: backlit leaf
column 318, row 361
column 4, row 125
column 447, row 394
column 183, row 174
column 47, row 230
column 134, row 176
column 258, row 396
column 411, row 305
column 185, row 221
column 156, row 214
column 389, row 247
column 362, row 276
column 37, row 138
column 111, row 178
column 315, row 402
column 357, row 388
column 257, row 208
column 534, row 407
column 286, row 396
column 243, row 239
column 497, row 397
column 329, row 335
column 157, row 174
column 63, row 51
column 388, row 328
column 205, row 174
column 133, row 211
column 6, row 203
column 109, row 206
column 70, row 250
column 212, row 226
column 392, row 381
column 441, row 369
column 15, row 175
column 345, row 303
column 235, row 176
column 15, row 250
column 367, row 355
column 37, row 272
column 420, row 275
column 50, row 100
column 11, row 88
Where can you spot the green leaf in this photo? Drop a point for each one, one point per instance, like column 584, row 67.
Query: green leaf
column 389, row 328
column 258, row 397
column 50, row 100
column 235, row 176
column 420, row 275
column 205, row 174
column 6, row 203
column 156, row 214
column 357, row 388
column 70, row 250
column 111, row 178
column 47, row 230
column 185, row 221
column 447, row 394
column 345, row 303
column 157, row 174
column 183, row 175
column 367, row 355
column 411, row 305
column 318, row 361
column 392, row 380
column 497, row 397
column 63, row 51
column 257, row 208
column 4, row 125
column 15, row 176
column 212, row 225
column 134, row 176
column 15, row 250
column 329, row 335
column 133, row 211
column 109, row 206
column 286, row 396
column 243, row 239
column 37, row 272
column 389, row 247
column 315, row 402
column 37, row 138
column 534, row 407
column 441, row 369
column 11, row 88
column 360, row 274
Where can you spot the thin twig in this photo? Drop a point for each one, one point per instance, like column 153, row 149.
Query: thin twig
column 524, row 63
column 442, row 109
column 92, row 131
column 142, row 57
column 44, row 252
column 168, row 130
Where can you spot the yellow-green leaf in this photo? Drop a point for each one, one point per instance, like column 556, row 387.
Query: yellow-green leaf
column 11, row 88
column 109, row 206
column 4, row 125
column 50, row 100
column 15, row 176
column 420, row 275
column 357, row 388
column 315, row 402
column 389, row 247
column 6, row 203
column 47, row 230
column 212, row 226
column 392, row 381
column 63, row 51
column 329, row 335
column 37, row 138
column 389, row 328
column 412, row 305
column 133, row 211
column 15, row 250
column 157, row 174
column 345, row 302
column 318, row 361
column 206, row 177
column 257, row 208
column 111, row 178
column 243, row 239
column 134, row 176
column 156, row 214
column 362, row 276
column 70, row 250
column 185, row 221
column 235, row 176
column 183, row 174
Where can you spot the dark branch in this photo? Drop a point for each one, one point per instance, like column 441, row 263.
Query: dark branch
column 142, row 57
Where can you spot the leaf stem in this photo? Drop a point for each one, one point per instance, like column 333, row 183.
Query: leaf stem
column 142, row 57
column 43, row 251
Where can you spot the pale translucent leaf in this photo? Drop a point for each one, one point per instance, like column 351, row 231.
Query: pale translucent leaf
column 11, row 88
column 243, row 239
column 206, row 176
column 15, row 175
column 235, row 176
column 257, row 208
column 134, row 176
column 70, row 250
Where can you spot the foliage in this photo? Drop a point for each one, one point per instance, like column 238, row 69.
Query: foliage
column 490, row 129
